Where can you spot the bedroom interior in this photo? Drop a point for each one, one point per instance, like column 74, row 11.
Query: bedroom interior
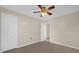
column 22, row 30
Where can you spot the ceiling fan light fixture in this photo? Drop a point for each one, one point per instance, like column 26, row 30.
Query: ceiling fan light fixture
column 43, row 13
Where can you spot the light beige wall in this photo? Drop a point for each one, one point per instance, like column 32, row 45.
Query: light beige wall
column 27, row 28
column 65, row 30
column 29, row 31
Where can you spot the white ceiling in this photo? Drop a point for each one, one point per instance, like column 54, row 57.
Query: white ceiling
column 29, row 9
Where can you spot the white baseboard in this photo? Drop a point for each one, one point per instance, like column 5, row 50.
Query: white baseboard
column 65, row 45
column 27, row 44
column 22, row 45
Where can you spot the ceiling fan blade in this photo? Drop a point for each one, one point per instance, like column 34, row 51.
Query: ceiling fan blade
column 40, row 6
column 51, row 7
column 49, row 13
column 37, row 12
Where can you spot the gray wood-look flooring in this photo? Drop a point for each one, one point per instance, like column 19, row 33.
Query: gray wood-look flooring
column 43, row 47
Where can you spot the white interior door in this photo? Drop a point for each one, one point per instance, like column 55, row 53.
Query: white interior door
column 8, row 32
column 43, row 31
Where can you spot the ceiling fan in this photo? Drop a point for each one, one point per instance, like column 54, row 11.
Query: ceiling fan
column 43, row 10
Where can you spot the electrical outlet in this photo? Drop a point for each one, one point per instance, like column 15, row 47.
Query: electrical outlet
column 30, row 37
